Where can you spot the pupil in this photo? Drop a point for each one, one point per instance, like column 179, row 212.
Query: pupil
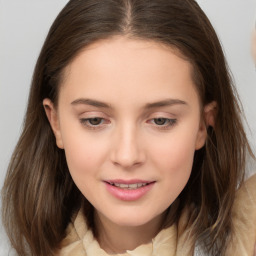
column 159, row 121
column 95, row 121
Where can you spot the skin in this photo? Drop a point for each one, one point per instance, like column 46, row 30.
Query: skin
column 128, row 140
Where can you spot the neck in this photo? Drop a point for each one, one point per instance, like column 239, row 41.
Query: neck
column 118, row 239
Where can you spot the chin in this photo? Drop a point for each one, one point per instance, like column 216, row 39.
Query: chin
column 131, row 222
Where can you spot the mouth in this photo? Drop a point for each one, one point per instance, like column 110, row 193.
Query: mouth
column 130, row 186
column 129, row 190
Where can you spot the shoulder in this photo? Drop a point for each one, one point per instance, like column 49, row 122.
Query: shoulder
column 244, row 219
column 249, row 187
column 245, row 199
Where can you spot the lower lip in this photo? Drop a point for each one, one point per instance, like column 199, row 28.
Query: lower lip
column 129, row 194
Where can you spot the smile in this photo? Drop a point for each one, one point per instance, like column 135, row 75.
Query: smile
column 129, row 190
column 128, row 186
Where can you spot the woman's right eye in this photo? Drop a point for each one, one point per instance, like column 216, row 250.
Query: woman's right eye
column 94, row 122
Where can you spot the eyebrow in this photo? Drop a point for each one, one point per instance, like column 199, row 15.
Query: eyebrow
column 90, row 102
column 165, row 103
column 100, row 104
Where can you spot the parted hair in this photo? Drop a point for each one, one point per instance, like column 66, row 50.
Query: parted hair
column 39, row 196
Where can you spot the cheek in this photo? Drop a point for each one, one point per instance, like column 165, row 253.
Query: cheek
column 85, row 158
column 175, row 170
column 176, row 151
column 84, row 154
column 173, row 158
column 175, row 164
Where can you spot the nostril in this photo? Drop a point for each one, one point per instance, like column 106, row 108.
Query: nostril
column 127, row 158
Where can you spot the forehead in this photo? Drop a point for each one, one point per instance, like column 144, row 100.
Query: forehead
column 123, row 67
column 123, row 49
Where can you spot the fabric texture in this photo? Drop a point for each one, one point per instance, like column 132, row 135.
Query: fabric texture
column 244, row 220
column 171, row 241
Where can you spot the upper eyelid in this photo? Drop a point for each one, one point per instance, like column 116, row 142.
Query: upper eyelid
column 147, row 114
column 169, row 125
column 93, row 117
column 86, row 124
column 92, row 114
column 146, row 117
column 161, row 115
column 167, row 119
column 151, row 117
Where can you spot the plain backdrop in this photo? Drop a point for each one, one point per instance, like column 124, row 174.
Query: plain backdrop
column 23, row 28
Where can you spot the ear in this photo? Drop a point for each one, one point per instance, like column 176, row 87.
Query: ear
column 52, row 116
column 208, row 119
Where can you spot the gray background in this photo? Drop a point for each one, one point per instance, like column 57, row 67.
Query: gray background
column 24, row 25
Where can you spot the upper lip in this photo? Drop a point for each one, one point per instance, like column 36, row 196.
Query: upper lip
column 132, row 181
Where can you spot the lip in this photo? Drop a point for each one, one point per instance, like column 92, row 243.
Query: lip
column 128, row 194
column 128, row 181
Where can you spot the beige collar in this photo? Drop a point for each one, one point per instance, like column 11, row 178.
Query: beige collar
column 81, row 242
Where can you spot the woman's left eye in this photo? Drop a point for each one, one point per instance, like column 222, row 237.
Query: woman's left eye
column 163, row 122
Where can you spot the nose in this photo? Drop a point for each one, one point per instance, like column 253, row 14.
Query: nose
column 127, row 151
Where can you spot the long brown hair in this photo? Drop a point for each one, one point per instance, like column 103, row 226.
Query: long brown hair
column 39, row 196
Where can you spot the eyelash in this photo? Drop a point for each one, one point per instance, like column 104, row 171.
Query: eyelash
column 167, row 123
column 87, row 122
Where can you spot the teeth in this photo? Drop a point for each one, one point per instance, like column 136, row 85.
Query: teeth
column 129, row 186
column 133, row 186
column 122, row 185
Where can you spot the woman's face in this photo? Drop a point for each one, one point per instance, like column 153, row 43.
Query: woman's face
column 129, row 120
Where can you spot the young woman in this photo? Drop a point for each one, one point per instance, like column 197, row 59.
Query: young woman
column 133, row 142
